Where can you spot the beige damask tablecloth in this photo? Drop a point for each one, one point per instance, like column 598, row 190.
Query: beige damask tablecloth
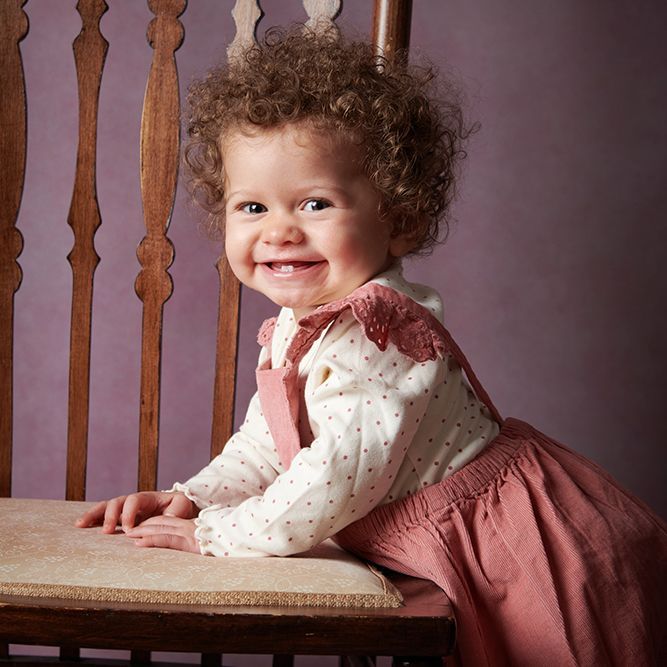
column 43, row 554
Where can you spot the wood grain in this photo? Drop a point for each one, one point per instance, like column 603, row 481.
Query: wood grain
column 90, row 49
column 424, row 626
column 160, row 139
column 321, row 13
column 224, row 389
column 13, row 28
column 391, row 27
column 246, row 14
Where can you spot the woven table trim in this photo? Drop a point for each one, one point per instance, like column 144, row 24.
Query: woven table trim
column 232, row 598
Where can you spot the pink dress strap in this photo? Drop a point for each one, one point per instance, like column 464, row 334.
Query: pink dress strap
column 278, row 395
column 387, row 316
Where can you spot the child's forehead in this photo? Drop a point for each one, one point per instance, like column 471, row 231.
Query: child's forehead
column 303, row 134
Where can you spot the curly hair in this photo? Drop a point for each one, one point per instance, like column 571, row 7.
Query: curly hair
column 410, row 143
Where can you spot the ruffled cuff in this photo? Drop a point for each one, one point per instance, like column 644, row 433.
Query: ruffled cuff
column 184, row 489
column 207, row 534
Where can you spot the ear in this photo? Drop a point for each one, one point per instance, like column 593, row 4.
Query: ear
column 401, row 244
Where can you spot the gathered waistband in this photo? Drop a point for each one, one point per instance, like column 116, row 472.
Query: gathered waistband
column 468, row 482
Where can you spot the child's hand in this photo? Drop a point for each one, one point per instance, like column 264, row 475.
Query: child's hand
column 167, row 532
column 130, row 510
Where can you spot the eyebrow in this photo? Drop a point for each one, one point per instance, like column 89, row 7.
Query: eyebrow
column 313, row 187
column 319, row 189
column 330, row 188
column 243, row 194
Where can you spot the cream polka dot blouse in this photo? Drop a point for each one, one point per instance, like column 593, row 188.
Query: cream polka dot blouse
column 375, row 426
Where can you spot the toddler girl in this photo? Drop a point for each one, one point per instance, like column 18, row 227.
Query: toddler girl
column 326, row 165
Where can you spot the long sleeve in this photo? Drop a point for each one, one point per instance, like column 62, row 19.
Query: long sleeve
column 245, row 468
column 363, row 408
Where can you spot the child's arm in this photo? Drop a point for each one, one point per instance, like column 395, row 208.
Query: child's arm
column 245, row 468
column 164, row 519
column 364, row 407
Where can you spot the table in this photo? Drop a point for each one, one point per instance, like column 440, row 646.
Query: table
column 423, row 624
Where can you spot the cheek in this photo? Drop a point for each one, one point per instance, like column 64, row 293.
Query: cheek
column 237, row 249
column 361, row 256
column 370, row 243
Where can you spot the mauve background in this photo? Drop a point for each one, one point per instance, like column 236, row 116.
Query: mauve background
column 553, row 275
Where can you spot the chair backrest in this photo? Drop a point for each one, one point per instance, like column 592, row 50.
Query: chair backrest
column 159, row 152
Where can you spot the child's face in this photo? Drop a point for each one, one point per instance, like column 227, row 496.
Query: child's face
column 302, row 223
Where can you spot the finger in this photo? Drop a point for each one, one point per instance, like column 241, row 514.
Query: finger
column 181, row 506
column 165, row 525
column 112, row 514
column 93, row 516
column 161, row 523
column 166, row 532
column 167, row 541
column 131, row 511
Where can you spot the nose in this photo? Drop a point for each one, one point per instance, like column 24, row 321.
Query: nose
column 281, row 228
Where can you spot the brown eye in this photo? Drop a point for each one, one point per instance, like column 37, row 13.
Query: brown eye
column 253, row 208
column 316, row 205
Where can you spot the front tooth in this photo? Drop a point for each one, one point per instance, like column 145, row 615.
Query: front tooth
column 286, row 268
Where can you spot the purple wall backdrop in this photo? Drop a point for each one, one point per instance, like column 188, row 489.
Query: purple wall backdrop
column 553, row 276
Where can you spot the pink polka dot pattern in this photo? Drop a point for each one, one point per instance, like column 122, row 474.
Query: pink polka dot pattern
column 376, row 423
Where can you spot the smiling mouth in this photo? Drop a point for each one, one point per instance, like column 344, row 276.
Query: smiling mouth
column 289, row 267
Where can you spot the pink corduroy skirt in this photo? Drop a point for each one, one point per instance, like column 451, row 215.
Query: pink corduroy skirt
column 546, row 560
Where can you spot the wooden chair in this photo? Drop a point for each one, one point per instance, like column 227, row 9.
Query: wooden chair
column 423, row 627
